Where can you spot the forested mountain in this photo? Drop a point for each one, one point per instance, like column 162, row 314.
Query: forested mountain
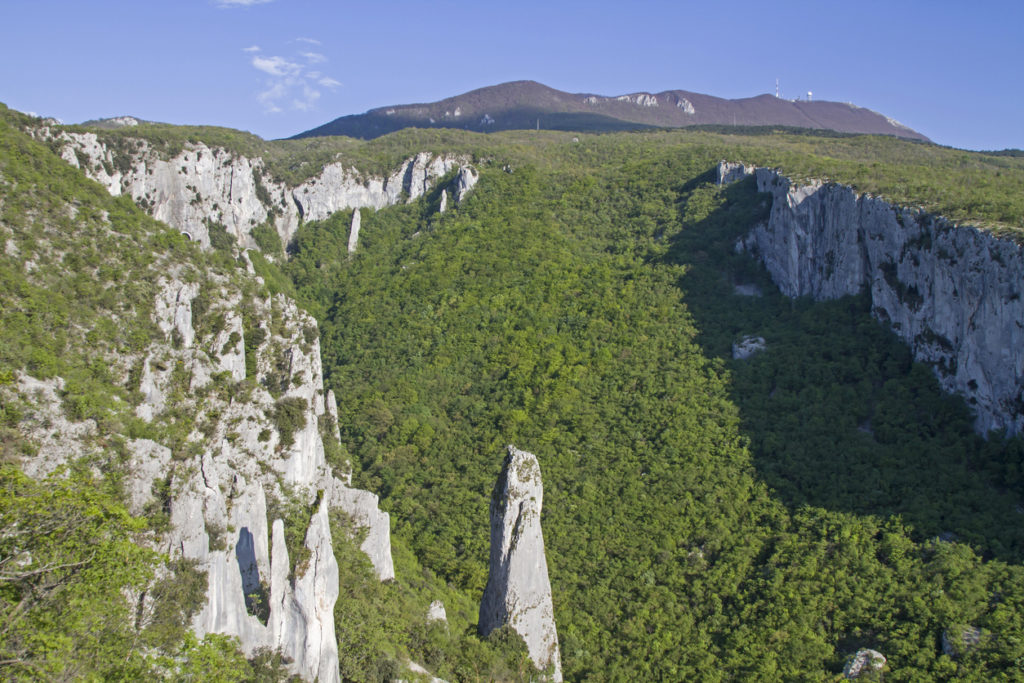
column 706, row 517
column 527, row 104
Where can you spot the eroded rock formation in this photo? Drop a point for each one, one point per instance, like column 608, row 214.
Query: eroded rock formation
column 518, row 591
column 248, row 471
column 203, row 188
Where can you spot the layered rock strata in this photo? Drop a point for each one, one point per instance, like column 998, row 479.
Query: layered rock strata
column 518, row 591
column 953, row 293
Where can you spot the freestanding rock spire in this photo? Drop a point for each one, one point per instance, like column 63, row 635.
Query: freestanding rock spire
column 518, row 592
column 353, row 233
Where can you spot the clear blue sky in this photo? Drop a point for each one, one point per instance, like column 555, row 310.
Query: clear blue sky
column 951, row 70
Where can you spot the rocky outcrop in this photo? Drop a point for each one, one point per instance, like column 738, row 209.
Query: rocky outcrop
column 203, row 188
column 729, row 172
column 953, row 293
column 353, row 233
column 518, row 591
column 864, row 663
column 464, row 182
column 197, row 188
column 748, row 346
column 251, row 473
column 362, row 508
column 436, row 612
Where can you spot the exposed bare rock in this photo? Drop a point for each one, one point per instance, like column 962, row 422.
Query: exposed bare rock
column 59, row 440
column 241, row 462
column 420, row 670
column 729, row 172
column 149, row 462
column 464, row 182
column 203, row 186
column 747, row 347
column 953, row 293
column 362, row 507
column 436, row 612
column 444, row 202
column 518, row 591
column 353, row 233
column 174, row 309
column 864, row 663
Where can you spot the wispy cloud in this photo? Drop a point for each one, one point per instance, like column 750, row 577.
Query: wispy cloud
column 311, row 41
column 290, row 82
column 276, row 66
column 240, row 3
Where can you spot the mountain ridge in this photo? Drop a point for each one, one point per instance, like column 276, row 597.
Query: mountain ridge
column 529, row 104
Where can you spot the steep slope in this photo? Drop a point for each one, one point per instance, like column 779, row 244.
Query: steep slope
column 951, row 292
column 527, row 104
column 198, row 394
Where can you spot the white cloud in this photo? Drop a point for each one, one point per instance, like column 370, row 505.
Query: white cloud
column 311, row 41
column 251, row 48
column 276, row 66
column 289, row 82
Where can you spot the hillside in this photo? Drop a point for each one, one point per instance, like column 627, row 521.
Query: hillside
column 707, row 516
column 526, row 105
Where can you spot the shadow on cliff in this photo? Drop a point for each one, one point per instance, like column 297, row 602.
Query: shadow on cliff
column 837, row 413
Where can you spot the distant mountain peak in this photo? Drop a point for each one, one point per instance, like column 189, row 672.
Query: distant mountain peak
column 529, row 104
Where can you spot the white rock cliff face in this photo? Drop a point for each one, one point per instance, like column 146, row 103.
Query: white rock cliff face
column 205, row 184
column 952, row 293
column 518, row 591
column 224, row 498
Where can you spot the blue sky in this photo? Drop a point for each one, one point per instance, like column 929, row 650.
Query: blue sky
column 952, row 70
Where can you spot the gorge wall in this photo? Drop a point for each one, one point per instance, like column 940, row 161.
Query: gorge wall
column 249, row 491
column 953, row 293
column 203, row 185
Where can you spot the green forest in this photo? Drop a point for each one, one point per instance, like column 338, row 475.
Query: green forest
column 705, row 518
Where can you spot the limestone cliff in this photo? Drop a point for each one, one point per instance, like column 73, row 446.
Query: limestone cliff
column 250, row 472
column 953, row 293
column 203, row 186
column 518, row 591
